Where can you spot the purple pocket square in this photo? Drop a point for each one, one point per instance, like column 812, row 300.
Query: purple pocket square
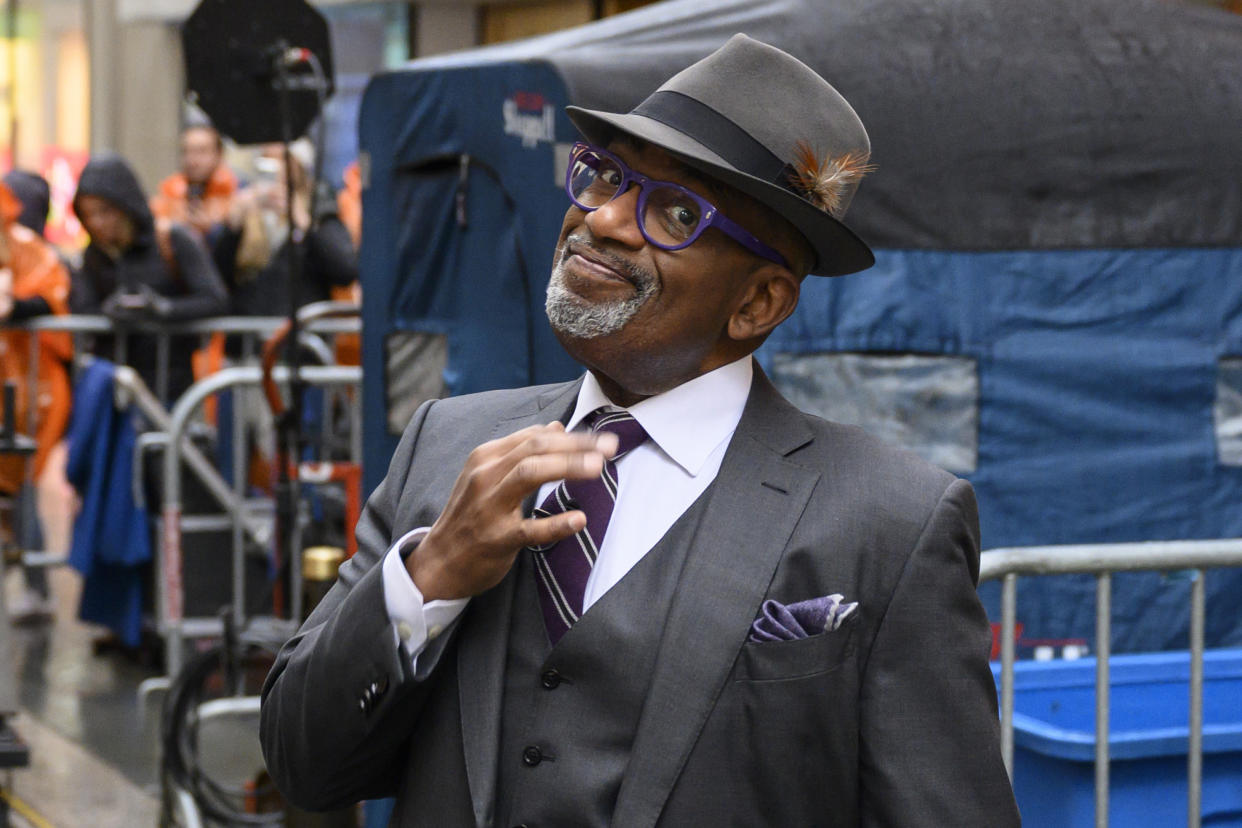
column 778, row 622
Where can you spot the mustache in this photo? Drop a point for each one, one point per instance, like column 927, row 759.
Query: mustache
column 639, row 276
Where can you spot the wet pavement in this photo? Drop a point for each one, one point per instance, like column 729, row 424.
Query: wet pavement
column 94, row 762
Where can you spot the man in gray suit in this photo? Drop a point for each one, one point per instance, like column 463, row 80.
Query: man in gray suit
column 722, row 611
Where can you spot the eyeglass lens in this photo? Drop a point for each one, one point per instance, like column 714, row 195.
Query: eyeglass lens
column 669, row 216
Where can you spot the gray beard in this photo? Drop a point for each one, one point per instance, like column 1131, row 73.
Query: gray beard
column 571, row 315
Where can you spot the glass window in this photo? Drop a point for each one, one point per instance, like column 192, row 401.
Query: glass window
column 1229, row 411
column 414, row 373
column 927, row 404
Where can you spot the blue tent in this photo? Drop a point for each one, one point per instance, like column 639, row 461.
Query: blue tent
column 1056, row 309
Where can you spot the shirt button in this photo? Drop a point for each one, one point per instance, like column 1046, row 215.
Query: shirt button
column 404, row 630
column 550, row 680
column 532, row 756
column 435, row 630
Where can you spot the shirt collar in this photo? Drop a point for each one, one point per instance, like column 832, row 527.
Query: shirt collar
column 687, row 422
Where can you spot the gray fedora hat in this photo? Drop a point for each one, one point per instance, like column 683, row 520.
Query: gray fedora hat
column 763, row 122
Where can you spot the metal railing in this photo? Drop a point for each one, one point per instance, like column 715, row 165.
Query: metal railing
column 249, row 329
column 151, row 403
column 170, row 598
column 1102, row 560
column 318, row 321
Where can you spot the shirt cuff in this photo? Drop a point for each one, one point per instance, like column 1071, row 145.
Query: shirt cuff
column 415, row 622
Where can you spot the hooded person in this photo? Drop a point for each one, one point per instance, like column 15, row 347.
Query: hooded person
column 35, row 195
column 134, row 273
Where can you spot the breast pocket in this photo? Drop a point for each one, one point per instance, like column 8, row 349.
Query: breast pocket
column 800, row 657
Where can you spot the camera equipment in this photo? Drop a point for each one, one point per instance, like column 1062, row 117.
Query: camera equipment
column 246, row 62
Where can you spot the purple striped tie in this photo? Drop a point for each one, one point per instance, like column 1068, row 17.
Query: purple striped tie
column 562, row 568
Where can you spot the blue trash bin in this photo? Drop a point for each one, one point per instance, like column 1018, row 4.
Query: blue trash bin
column 1054, row 740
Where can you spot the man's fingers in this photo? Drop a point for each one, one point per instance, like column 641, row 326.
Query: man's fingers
column 532, row 472
column 512, row 467
column 545, row 530
column 551, row 442
column 501, row 446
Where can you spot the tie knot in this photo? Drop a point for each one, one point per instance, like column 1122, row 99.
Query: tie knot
column 630, row 434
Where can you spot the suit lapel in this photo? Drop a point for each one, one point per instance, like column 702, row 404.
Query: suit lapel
column 756, row 501
column 484, row 640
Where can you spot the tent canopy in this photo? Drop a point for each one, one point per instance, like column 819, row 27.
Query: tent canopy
column 994, row 125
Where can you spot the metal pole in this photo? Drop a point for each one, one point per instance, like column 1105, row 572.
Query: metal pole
column 120, row 347
column 355, row 429
column 1110, row 557
column 1103, row 637
column 162, row 349
column 289, row 424
column 1194, row 775
column 32, row 392
column 1009, row 611
column 240, row 397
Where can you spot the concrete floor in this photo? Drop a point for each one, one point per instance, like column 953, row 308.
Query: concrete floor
column 94, row 759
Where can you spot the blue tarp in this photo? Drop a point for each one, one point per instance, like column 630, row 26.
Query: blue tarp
column 1059, row 199
column 1097, row 380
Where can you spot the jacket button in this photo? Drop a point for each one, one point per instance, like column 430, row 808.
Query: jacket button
column 532, row 756
column 550, row 680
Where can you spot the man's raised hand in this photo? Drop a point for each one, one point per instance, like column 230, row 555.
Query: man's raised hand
column 474, row 541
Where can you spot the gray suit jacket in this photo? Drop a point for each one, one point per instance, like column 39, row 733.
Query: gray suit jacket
column 889, row 721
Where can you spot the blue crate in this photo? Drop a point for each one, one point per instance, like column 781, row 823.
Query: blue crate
column 1054, row 739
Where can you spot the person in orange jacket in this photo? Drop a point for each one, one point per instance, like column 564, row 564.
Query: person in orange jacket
column 37, row 284
column 33, row 282
column 200, row 195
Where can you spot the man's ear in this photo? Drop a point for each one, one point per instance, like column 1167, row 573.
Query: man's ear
column 767, row 302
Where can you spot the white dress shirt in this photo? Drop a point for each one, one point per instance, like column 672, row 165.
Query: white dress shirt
column 689, row 429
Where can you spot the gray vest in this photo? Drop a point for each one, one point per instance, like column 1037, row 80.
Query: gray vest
column 570, row 711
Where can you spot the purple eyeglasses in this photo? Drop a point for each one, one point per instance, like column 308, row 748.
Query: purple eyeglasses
column 669, row 216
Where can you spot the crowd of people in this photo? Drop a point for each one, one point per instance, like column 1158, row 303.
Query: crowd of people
column 205, row 244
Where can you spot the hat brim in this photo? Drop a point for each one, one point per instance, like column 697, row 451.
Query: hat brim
column 838, row 251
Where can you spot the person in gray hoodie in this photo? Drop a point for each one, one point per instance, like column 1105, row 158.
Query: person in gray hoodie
column 134, row 272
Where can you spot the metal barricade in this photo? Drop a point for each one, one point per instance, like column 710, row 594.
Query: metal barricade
column 170, row 593
column 250, row 329
column 1102, row 560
